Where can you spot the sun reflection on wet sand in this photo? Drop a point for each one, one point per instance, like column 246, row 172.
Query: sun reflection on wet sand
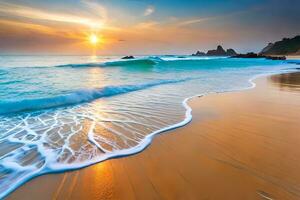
column 288, row 82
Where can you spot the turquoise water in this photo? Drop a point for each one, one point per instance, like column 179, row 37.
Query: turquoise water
column 67, row 112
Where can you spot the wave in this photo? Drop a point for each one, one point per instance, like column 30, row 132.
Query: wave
column 149, row 61
column 140, row 62
column 81, row 65
column 80, row 96
column 2, row 72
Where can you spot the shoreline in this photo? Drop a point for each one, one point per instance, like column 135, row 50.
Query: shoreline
column 148, row 139
column 159, row 135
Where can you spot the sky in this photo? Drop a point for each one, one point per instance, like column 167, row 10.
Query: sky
column 142, row 27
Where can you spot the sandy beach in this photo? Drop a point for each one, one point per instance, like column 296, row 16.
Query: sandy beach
column 239, row 145
column 293, row 57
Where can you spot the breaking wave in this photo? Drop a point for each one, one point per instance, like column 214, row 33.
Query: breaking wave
column 141, row 62
column 80, row 96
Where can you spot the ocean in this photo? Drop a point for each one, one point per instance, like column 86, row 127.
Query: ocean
column 59, row 113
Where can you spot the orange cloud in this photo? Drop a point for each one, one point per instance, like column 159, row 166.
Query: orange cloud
column 38, row 14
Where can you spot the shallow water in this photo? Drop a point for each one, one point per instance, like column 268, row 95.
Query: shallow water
column 66, row 112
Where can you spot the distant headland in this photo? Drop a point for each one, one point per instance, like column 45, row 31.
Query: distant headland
column 275, row 51
column 287, row 46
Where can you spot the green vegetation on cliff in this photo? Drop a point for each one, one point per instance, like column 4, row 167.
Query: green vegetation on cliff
column 287, row 46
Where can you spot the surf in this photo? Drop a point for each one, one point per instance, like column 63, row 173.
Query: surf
column 77, row 97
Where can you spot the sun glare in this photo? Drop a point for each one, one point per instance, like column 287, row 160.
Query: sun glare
column 94, row 39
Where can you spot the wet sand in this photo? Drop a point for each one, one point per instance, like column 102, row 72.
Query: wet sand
column 293, row 57
column 240, row 145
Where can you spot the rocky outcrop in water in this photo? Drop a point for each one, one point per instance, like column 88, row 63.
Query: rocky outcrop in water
column 255, row 55
column 275, row 57
column 199, row 53
column 128, row 57
column 217, row 52
column 231, row 52
column 248, row 55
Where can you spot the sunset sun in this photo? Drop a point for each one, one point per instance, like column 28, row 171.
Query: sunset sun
column 93, row 39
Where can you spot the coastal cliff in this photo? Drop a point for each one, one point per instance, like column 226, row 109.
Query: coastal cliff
column 274, row 51
column 277, row 50
column 287, row 46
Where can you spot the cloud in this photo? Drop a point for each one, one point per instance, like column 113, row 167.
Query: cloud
column 30, row 26
column 147, row 25
column 26, row 12
column 149, row 11
column 217, row 17
column 193, row 21
column 96, row 8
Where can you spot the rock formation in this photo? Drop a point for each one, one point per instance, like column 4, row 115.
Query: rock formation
column 199, row 53
column 216, row 52
column 231, row 52
column 255, row 55
column 128, row 57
